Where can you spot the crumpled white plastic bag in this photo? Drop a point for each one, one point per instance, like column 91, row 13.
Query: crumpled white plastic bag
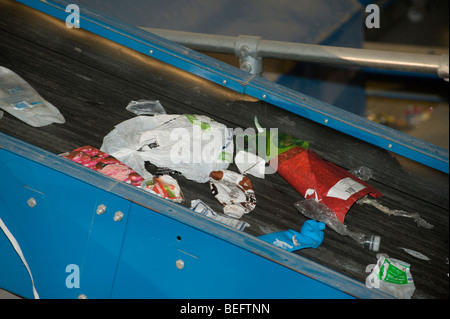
column 194, row 145
column 392, row 276
column 19, row 99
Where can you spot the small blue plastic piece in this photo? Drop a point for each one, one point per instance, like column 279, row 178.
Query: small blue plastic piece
column 310, row 236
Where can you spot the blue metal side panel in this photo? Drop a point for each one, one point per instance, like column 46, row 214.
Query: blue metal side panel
column 240, row 81
column 60, row 231
column 136, row 256
column 209, row 267
column 54, row 233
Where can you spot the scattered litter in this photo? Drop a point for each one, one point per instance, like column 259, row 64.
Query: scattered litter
column 267, row 144
column 200, row 207
column 145, row 107
column 164, row 186
column 363, row 173
column 19, row 99
column 396, row 212
column 104, row 163
column 415, row 253
column 321, row 180
column 320, row 212
column 194, row 145
column 234, row 191
column 310, row 236
column 392, row 276
column 249, row 163
column 310, row 175
column 166, row 171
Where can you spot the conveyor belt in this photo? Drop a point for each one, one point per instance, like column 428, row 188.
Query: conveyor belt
column 91, row 80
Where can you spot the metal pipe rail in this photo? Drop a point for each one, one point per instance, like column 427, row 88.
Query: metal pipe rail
column 251, row 50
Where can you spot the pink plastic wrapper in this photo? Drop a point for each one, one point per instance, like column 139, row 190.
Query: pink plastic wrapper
column 104, row 163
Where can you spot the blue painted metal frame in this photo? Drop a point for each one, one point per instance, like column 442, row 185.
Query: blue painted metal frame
column 136, row 256
column 240, row 81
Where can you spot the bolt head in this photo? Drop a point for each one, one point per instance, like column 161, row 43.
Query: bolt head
column 180, row 264
column 31, row 202
column 247, row 67
column 118, row 216
column 101, row 209
column 245, row 51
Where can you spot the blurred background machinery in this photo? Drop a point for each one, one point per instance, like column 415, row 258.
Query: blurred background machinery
column 416, row 103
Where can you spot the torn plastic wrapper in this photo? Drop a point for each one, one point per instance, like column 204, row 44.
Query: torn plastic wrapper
column 145, row 107
column 200, row 207
column 255, row 150
column 234, row 191
column 249, row 163
column 321, row 180
column 21, row 100
column 267, row 144
column 104, row 163
column 310, row 236
column 320, row 212
column 164, row 186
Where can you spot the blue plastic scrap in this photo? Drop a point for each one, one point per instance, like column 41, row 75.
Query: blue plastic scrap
column 310, row 236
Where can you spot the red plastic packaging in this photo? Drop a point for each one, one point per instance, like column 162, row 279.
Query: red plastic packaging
column 313, row 177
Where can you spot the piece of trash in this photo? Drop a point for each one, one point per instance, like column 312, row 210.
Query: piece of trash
column 392, row 276
column 267, row 144
column 310, row 236
column 166, row 171
column 396, row 212
column 307, row 173
column 320, row 212
column 164, row 186
column 234, row 191
column 104, row 163
column 19, row 99
column 145, row 107
column 321, row 180
column 415, row 253
column 249, row 163
column 194, row 145
column 363, row 173
column 200, row 207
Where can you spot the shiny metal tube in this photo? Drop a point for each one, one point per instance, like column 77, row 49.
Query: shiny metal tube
column 398, row 61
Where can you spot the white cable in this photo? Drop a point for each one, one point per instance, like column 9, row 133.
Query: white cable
column 19, row 252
